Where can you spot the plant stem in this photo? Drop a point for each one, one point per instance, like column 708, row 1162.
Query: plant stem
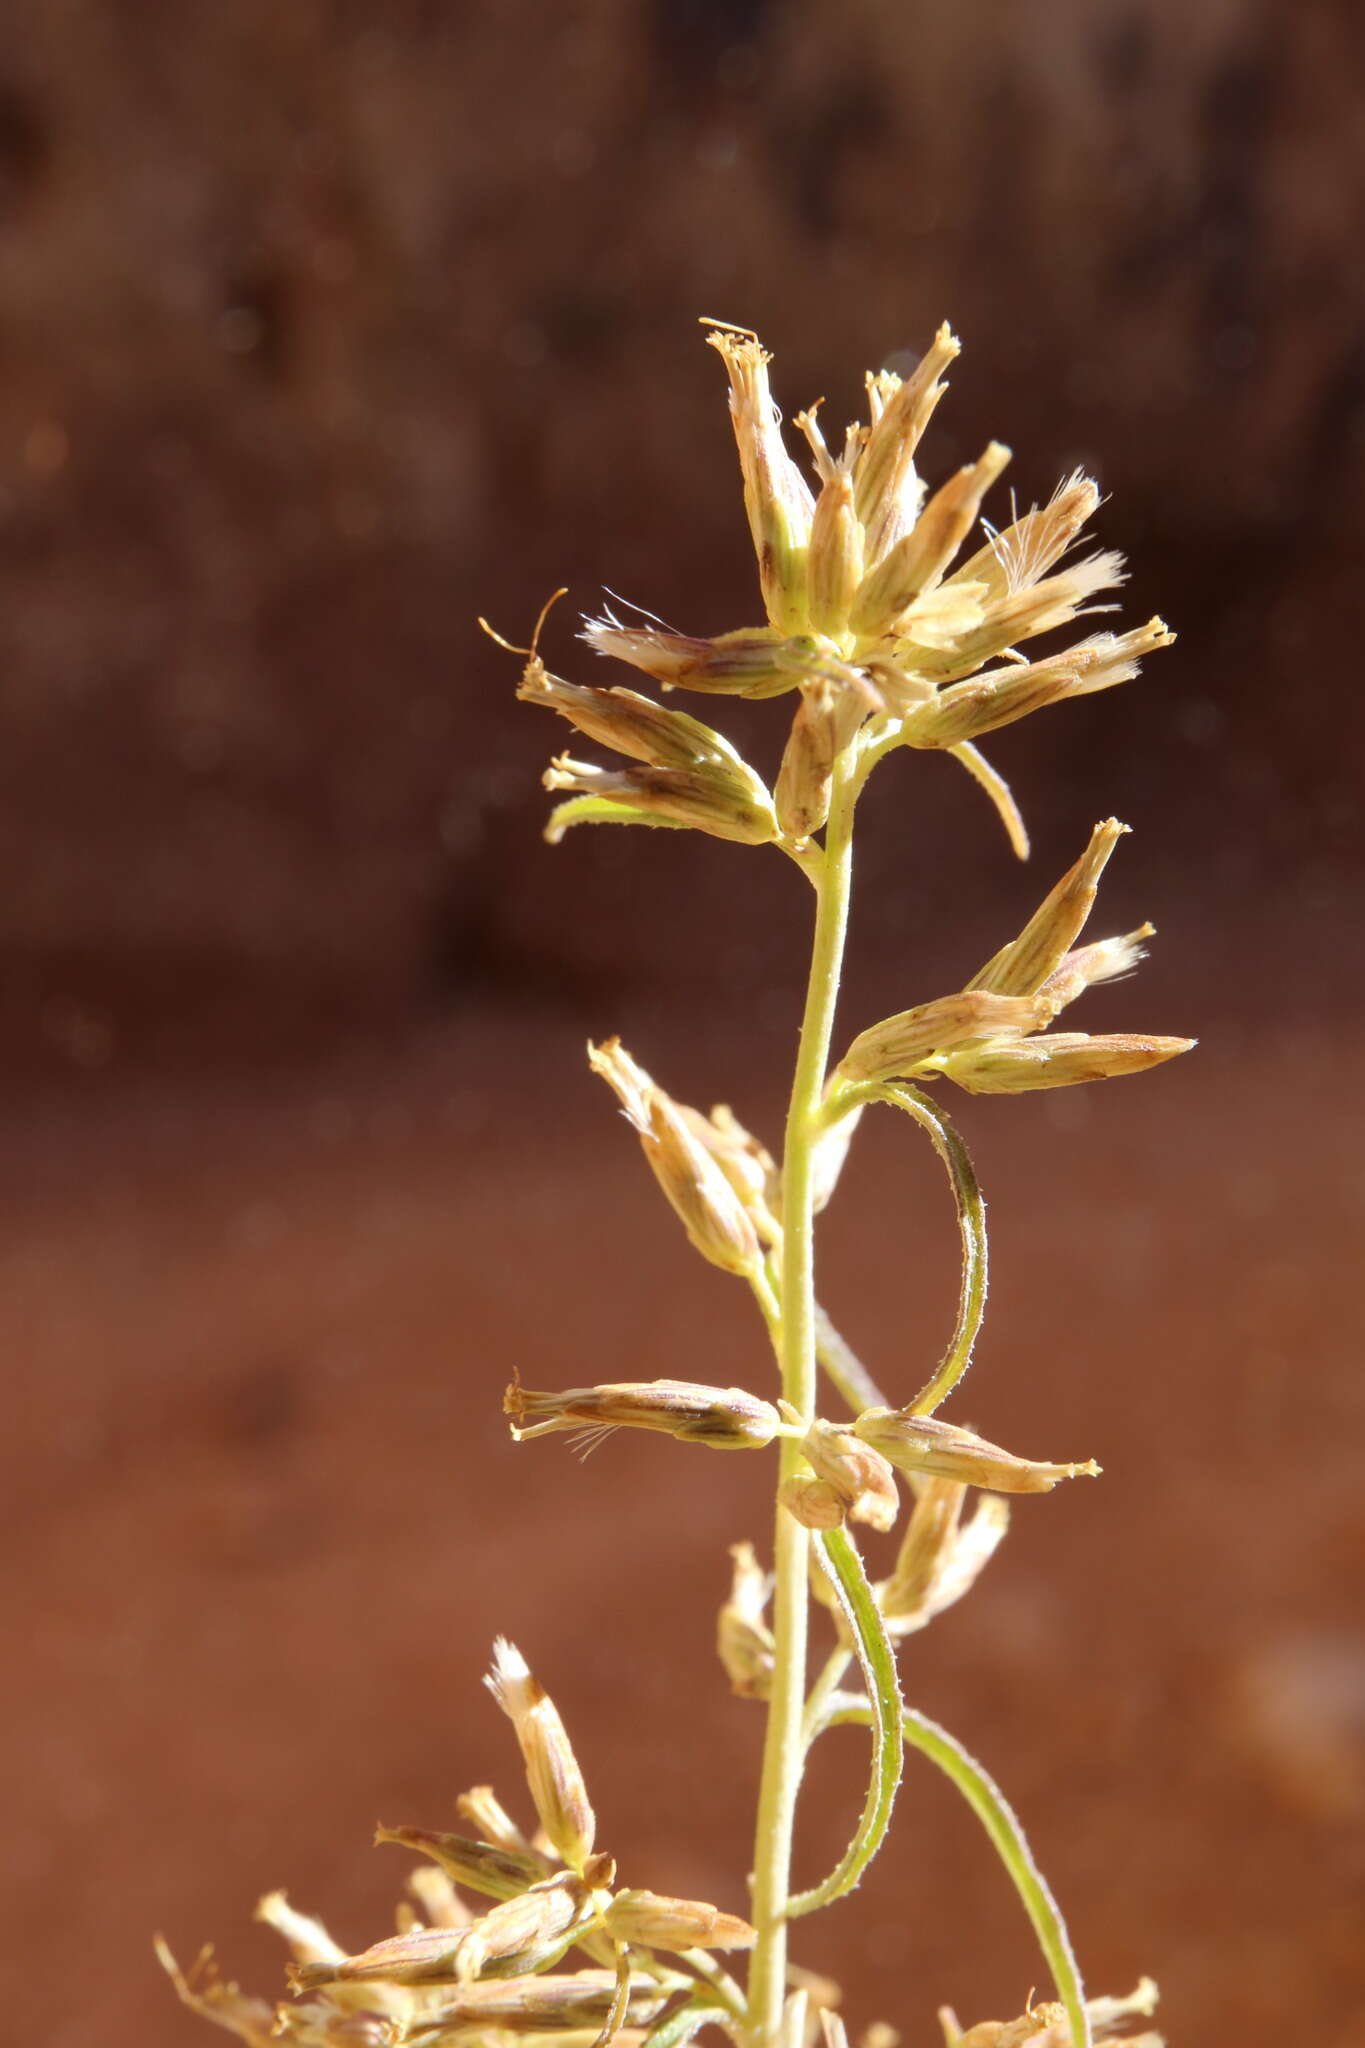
column 784, row 1749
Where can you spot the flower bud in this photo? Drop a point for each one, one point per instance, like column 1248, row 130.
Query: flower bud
column 836, row 555
column 776, row 495
column 714, row 1216
column 625, row 721
column 552, row 1770
column 497, row 1873
column 812, row 1502
column 998, row 698
column 920, row 1443
column 1059, row 1061
column 523, row 1934
column 887, row 489
column 744, row 1642
column 722, row 797
column 900, row 1044
column 941, row 1557
column 755, row 663
column 859, row 1477
column 1022, row 967
column 570, row 2003
column 726, row 1418
column 826, row 720
column 653, row 1921
column 1003, row 695
column 918, row 561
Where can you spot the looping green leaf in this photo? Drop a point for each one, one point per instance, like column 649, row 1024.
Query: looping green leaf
column 1010, row 1843
column 839, row 1557
column 971, row 1218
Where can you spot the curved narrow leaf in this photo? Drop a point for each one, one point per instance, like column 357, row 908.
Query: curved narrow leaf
column 971, row 1220
column 1010, row 1843
column 856, row 1602
column 999, row 792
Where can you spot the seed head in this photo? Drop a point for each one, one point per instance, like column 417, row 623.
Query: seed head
column 497, row 1873
column 901, row 1044
column 723, row 798
column 627, row 722
column 570, row 2003
column 523, row 1934
column 860, row 1479
column 920, row 1443
column 652, row 1921
column 749, row 663
column 1060, row 1061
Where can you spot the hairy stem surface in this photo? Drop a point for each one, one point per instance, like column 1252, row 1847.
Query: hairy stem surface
column 784, row 1748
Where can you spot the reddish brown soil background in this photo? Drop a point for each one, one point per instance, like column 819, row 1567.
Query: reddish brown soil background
column 324, row 327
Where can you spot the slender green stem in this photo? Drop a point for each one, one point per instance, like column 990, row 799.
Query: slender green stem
column 784, row 1750
column 721, row 1984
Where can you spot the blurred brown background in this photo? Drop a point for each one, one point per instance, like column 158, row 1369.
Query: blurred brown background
column 324, row 327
